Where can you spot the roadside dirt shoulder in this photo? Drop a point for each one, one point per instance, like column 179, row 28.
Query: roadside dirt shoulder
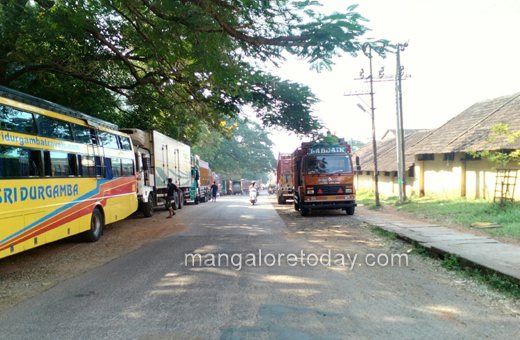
column 335, row 230
column 27, row 274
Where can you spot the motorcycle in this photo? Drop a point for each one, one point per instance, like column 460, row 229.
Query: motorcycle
column 253, row 197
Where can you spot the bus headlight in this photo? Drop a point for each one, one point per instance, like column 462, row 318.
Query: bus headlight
column 310, row 191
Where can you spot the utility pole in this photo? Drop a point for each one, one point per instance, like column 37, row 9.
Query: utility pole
column 374, row 144
column 400, row 140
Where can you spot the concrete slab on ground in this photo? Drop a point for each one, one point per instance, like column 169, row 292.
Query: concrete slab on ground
column 477, row 251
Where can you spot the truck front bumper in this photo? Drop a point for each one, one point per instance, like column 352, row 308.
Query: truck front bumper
column 325, row 205
column 329, row 202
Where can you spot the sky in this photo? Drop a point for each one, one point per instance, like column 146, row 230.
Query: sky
column 459, row 52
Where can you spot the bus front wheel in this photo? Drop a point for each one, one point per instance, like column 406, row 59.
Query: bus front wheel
column 97, row 222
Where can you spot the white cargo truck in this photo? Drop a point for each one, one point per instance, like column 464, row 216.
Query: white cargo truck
column 159, row 157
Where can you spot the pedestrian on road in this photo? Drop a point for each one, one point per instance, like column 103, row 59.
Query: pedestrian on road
column 214, row 189
column 169, row 196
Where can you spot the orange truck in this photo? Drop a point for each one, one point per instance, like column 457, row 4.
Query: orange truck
column 284, row 182
column 323, row 177
column 205, row 181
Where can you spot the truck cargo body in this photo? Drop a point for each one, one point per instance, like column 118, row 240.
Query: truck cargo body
column 323, row 178
column 205, row 181
column 284, row 182
column 159, row 157
column 245, row 183
column 237, row 187
column 227, row 187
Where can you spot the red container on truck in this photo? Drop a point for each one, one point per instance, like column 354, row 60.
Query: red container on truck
column 323, row 177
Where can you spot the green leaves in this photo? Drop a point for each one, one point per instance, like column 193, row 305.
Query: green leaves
column 498, row 151
column 174, row 66
column 245, row 153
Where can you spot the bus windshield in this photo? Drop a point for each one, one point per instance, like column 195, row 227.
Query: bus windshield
column 328, row 164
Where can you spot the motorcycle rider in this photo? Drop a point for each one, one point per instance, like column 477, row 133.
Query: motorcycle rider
column 253, row 186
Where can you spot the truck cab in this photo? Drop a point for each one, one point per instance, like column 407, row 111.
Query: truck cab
column 323, row 178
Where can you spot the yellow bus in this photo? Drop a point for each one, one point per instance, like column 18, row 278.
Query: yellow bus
column 62, row 173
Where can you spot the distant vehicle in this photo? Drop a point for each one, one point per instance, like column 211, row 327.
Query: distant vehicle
column 227, row 187
column 236, row 188
column 205, row 181
column 284, row 177
column 245, row 183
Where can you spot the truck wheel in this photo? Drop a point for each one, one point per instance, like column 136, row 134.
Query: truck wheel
column 296, row 206
column 97, row 221
column 279, row 200
column 197, row 199
column 283, row 200
column 148, row 206
column 350, row 210
column 305, row 211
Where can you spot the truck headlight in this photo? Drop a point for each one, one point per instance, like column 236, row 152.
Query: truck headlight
column 310, row 191
column 348, row 191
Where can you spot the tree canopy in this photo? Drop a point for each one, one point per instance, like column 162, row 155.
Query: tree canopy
column 244, row 153
column 177, row 66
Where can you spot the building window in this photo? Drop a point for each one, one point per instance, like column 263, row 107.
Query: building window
column 469, row 157
column 387, row 173
column 449, row 156
column 427, row 157
column 411, row 172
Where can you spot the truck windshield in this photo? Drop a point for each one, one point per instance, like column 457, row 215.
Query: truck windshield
column 317, row 164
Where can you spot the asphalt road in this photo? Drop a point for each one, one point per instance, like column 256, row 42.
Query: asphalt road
column 153, row 294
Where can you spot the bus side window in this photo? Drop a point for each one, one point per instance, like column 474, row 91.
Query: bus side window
column 99, row 166
column 80, row 168
column 47, row 164
column 125, row 143
column 57, row 164
column 82, row 134
column 18, row 162
column 35, row 163
column 87, row 166
column 108, row 168
column 73, row 164
column 128, row 167
column 116, row 167
column 94, row 136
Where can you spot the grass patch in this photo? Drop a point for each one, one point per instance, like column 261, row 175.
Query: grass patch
column 368, row 198
column 458, row 211
column 502, row 284
column 384, row 234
